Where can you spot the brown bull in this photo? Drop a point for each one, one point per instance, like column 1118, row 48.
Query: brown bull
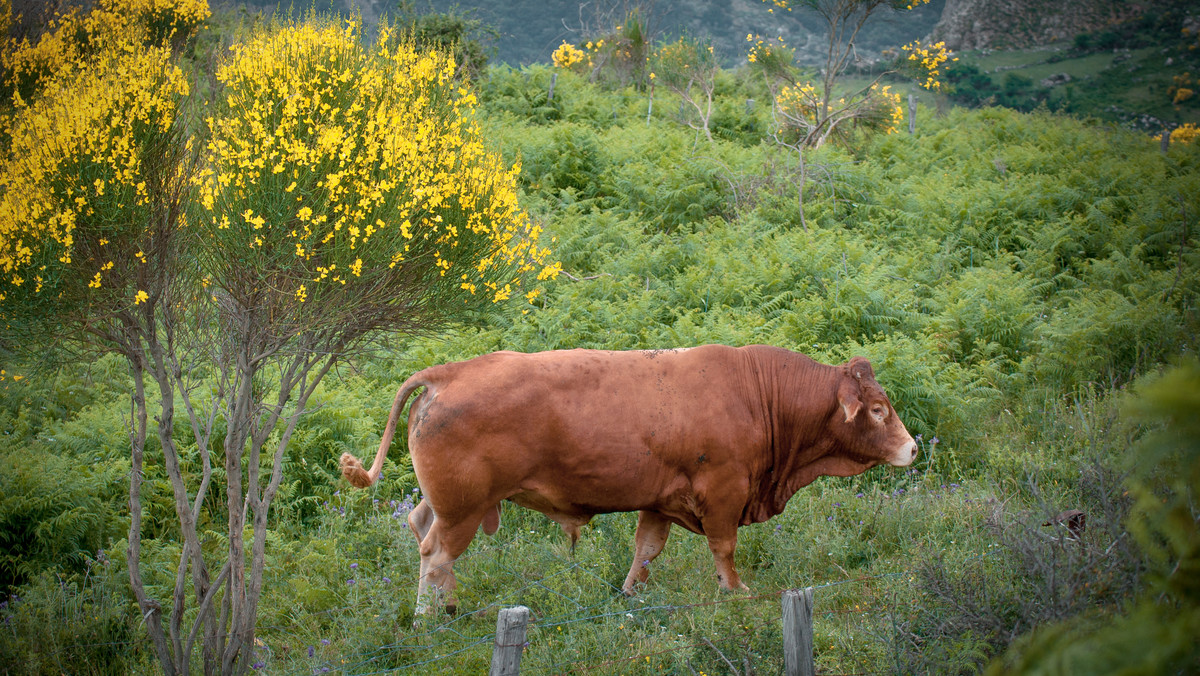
column 709, row 438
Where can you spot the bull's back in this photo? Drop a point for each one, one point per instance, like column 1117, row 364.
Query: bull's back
column 603, row 431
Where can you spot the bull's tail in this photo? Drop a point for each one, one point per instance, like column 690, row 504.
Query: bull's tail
column 352, row 467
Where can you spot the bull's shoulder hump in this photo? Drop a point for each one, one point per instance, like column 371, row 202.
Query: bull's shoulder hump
column 781, row 356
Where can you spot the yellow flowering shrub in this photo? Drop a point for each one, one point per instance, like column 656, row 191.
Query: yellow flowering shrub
column 928, row 60
column 72, row 39
column 1182, row 89
column 1185, row 133
column 768, row 55
column 339, row 173
column 567, row 55
column 163, row 18
column 76, row 202
column 6, row 22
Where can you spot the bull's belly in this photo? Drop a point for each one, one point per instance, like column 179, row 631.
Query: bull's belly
column 574, row 503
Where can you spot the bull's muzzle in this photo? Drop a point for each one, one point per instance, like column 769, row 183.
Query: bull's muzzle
column 905, row 454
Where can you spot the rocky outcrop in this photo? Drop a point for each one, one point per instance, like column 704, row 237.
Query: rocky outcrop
column 983, row 24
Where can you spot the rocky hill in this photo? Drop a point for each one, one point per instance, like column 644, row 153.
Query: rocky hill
column 1015, row 24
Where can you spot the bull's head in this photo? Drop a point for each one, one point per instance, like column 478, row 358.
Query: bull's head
column 866, row 423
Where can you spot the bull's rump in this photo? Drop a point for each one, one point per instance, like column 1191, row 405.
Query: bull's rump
column 581, row 432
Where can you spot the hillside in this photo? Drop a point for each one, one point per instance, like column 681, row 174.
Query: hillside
column 527, row 31
column 1140, row 73
column 1017, row 24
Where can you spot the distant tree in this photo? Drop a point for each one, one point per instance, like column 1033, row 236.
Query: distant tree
column 619, row 38
column 806, row 115
column 689, row 68
column 813, row 113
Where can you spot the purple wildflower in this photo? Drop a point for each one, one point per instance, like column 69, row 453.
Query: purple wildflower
column 324, row 641
column 257, row 665
column 353, row 566
column 387, row 580
column 311, row 652
column 859, row 495
column 350, row 581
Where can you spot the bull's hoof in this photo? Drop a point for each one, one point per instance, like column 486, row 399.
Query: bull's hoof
column 734, row 590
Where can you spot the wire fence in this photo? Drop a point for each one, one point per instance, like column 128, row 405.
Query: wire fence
column 467, row 639
column 447, row 642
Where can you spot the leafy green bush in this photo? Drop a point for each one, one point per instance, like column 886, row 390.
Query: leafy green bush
column 1155, row 634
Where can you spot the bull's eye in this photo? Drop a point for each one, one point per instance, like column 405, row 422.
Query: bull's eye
column 878, row 411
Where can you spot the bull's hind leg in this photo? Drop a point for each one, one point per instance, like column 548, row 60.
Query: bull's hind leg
column 442, row 545
column 652, row 531
column 420, row 519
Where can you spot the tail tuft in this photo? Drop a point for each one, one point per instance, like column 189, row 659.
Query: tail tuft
column 353, row 470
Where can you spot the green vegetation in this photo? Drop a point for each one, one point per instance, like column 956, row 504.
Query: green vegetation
column 1019, row 280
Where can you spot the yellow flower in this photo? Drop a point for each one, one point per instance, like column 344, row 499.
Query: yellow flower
column 141, row 297
column 567, row 55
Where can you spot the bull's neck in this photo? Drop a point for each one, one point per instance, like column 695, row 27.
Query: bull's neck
column 799, row 396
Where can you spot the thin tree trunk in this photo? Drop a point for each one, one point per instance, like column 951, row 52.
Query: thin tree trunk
column 240, row 412
column 192, row 554
column 150, row 609
column 800, row 188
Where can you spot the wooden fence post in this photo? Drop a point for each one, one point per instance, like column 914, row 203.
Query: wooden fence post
column 553, row 81
column 797, row 632
column 1165, row 139
column 912, row 114
column 510, row 641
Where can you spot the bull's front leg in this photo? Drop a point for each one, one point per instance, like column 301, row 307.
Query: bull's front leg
column 652, row 531
column 722, row 542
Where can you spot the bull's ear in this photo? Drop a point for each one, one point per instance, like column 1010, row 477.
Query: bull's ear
column 849, row 397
